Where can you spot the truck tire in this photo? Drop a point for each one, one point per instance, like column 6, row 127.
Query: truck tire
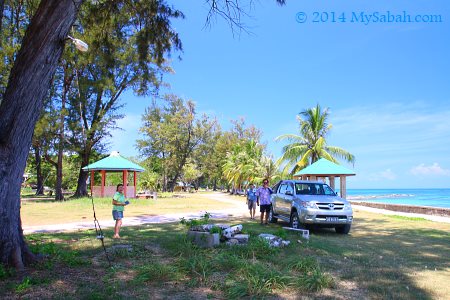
column 272, row 219
column 344, row 229
column 295, row 221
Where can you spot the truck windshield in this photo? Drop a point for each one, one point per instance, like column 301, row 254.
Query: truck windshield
column 313, row 189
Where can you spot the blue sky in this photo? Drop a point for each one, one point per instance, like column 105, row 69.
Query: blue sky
column 387, row 84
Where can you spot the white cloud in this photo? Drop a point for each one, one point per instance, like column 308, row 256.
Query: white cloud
column 433, row 169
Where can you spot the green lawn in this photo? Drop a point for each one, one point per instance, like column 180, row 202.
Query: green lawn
column 384, row 257
column 43, row 212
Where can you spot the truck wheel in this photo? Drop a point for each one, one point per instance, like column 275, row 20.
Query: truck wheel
column 344, row 229
column 272, row 219
column 295, row 221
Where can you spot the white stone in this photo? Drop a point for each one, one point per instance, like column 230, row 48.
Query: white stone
column 242, row 238
column 229, row 232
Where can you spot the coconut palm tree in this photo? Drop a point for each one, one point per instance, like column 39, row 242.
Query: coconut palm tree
column 310, row 145
column 242, row 163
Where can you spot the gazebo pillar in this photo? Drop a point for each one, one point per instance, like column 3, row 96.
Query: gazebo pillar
column 102, row 190
column 343, row 187
column 124, row 180
column 134, row 183
column 332, row 182
column 92, row 183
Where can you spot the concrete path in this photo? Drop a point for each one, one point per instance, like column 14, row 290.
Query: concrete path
column 240, row 210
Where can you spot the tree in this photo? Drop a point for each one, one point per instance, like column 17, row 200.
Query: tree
column 172, row 133
column 243, row 163
column 311, row 144
column 129, row 42
column 28, row 83
column 191, row 172
column 21, row 105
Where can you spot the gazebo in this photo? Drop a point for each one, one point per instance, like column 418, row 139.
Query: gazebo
column 324, row 168
column 113, row 163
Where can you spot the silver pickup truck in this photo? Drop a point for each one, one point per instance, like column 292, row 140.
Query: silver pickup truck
column 303, row 203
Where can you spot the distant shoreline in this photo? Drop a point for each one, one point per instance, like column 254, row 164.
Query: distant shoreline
column 427, row 210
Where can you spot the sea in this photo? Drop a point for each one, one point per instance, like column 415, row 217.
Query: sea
column 418, row 197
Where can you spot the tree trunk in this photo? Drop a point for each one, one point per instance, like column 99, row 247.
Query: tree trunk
column 83, row 175
column 28, row 84
column 2, row 7
column 59, row 196
column 39, row 177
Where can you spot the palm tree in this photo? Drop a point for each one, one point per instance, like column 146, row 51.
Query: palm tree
column 242, row 163
column 310, row 145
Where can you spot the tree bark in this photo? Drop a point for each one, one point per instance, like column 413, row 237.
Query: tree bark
column 83, row 175
column 39, row 177
column 28, row 84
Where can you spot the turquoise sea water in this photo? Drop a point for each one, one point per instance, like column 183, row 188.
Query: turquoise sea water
column 420, row 197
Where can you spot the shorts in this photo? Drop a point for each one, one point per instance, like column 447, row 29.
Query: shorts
column 265, row 208
column 117, row 215
column 251, row 204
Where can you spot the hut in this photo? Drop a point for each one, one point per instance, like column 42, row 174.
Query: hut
column 113, row 163
column 323, row 169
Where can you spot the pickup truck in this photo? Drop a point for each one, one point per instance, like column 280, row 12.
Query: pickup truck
column 305, row 203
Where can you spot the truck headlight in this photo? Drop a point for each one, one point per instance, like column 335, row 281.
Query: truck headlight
column 309, row 204
column 348, row 206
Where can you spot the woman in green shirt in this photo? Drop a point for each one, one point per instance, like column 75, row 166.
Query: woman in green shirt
column 119, row 203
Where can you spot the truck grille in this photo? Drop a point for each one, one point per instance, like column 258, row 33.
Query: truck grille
column 330, row 206
column 324, row 217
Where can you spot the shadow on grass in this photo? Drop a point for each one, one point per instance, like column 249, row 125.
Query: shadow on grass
column 380, row 255
column 384, row 257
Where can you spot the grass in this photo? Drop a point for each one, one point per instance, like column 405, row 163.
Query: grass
column 382, row 258
column 77, row 210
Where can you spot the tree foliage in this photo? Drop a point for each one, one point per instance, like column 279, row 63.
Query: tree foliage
column 172, row 132
column 311, row 144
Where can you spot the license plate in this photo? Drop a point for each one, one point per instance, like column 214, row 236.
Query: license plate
column 332, row 219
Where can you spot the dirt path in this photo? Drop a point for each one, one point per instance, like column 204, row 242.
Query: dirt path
column 240, row 210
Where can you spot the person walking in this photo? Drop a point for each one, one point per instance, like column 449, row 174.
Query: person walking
column 263, row 200
column 119, row 202
column 251, row 200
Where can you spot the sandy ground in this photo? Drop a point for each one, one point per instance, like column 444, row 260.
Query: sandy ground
column 240, row 210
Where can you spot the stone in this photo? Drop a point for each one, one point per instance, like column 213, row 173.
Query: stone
column 203, row 228
column 273, row 240
column 232, row 242
column 303, row 232
column 229, row 232
column 242, row 238
column 204, row 239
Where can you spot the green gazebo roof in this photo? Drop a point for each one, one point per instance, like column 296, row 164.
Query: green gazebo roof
column 325, row 167
column 114, row 162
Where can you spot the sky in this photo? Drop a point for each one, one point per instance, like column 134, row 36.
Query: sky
column 386, row 84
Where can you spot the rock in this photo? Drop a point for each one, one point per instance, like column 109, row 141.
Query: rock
column 202, row 228
column 229, row 232
column 223, row 226
column 242, row 238
column 204, row 239
column 273, row 240
column 232, row 242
